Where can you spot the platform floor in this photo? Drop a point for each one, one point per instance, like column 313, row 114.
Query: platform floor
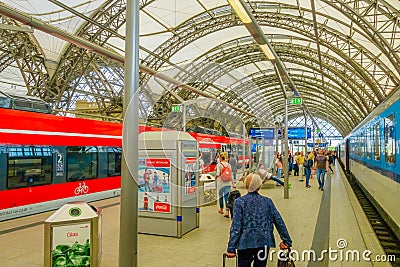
column 315, row 220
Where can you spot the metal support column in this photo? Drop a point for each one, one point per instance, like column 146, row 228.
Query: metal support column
column 306, row 137
column 184, row 117
column 129, row 188
column 286, row 163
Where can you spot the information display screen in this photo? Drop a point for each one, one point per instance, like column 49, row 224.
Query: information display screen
column 298, row 133
column 269, row 133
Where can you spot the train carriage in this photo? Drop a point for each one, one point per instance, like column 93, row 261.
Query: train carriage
column 371, row 154
column 47, row 160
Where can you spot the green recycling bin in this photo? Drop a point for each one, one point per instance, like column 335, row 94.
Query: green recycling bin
column 73, row 236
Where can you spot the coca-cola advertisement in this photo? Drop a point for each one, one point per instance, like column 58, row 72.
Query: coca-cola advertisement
column 155, row 184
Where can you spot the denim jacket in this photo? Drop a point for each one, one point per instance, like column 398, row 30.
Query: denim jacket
column 254, row 217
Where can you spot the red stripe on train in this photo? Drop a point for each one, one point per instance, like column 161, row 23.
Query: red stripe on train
column 56, row 140
column 37, row 194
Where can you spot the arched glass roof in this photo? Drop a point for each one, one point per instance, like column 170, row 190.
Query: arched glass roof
column 342, row 74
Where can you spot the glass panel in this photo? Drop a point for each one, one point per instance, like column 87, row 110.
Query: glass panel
column 81, row 163
column 352, row 146
column 23, row 171
column 15, row 152
column 389, row 139
column 362, row 144
column 114, row 161
column 368, row 142
column 377, row 140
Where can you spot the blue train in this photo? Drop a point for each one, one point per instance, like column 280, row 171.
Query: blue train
column 371, row 153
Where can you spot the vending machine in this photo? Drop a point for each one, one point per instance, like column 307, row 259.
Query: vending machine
column 168, row 183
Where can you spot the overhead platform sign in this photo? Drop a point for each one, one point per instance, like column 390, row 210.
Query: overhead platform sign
column 176, row 108
column 296, row 101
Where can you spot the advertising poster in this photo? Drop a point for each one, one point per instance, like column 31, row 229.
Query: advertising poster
column 190, row 176
column 71, row 245
column 155, row 184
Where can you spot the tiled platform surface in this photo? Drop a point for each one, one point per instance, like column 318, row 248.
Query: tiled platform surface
column 204, row 246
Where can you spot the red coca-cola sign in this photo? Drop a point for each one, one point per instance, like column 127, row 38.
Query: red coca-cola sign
column 190, row 160
column 162, row 207
column 191, row 190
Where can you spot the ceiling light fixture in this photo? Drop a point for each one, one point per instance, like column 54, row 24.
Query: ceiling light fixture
column 252, row 26
column 240, row 11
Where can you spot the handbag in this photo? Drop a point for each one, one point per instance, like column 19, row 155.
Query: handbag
column 284, row 260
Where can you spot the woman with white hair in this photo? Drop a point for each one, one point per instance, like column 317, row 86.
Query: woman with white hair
column 252, row 229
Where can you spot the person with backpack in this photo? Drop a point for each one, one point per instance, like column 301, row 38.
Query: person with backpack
column 224, row 180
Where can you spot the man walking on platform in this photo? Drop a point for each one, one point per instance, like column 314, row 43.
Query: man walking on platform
column 322, row 165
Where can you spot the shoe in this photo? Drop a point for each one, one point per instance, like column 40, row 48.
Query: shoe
column 226, row 215
column 319, row 187
column 322, row 189
column 308, row 186
column 220, row 211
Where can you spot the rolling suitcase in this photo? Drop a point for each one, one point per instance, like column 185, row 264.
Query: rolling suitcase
column 224, row 260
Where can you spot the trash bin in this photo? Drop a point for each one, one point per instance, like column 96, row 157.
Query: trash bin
column 72, row 236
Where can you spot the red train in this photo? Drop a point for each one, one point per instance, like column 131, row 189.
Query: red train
column 47, row 160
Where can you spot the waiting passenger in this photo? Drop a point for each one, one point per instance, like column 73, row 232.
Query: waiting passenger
column 265, row 175
column 252, row 229
column 300, row 164
column 330, row 160
column 308, row 165
column 279, row 166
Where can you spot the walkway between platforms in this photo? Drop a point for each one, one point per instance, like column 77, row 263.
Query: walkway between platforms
column 309, row 226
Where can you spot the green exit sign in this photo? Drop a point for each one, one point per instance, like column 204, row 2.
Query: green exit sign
column 296, row 101
column 176, row 108
column 318, row 130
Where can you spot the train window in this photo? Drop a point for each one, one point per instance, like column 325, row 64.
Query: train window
column 369, row 141
column 29, row 166
column 81, row 163
column 389, row 139
column 352, row 146
column 377, row 140
column 358, row 144
column 362, row 143
column 114, row 155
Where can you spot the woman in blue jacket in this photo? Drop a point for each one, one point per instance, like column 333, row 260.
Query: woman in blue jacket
column 252, row 229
